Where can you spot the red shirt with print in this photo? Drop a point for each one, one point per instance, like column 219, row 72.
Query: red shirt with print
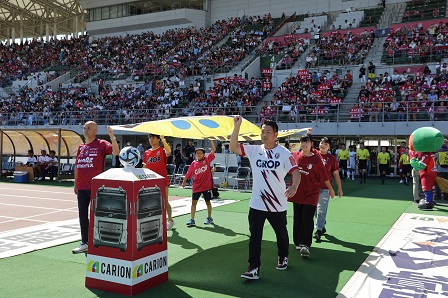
column 156, row 160
column 90, row 162
column 331, row 165
column 312, row 173
column 200, row 170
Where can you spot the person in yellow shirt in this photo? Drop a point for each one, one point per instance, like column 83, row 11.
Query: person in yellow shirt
column 343, row 156
column 384, row 163
column 362, row 155
column 405, row 166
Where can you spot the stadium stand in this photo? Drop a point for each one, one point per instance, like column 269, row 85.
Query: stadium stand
column 424, row 10
column 416, row 43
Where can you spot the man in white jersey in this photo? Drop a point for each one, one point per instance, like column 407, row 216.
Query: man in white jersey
column 270, row 163
column 351, row 162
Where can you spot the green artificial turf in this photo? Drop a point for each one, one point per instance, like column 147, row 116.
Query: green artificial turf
column 207, row 260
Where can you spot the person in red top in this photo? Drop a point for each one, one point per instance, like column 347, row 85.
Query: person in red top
column 201, row 171
column 332, row 169
column 90, row 162
column 305, row 200
column 156, row 159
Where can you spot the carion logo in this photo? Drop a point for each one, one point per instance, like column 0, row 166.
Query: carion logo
column 93, row 266
column 138, row 271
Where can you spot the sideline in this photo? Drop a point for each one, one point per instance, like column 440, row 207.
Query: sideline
column 24, row 240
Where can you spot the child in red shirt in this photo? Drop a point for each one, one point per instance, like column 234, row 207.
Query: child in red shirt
column 156, row 159
column 201, row 171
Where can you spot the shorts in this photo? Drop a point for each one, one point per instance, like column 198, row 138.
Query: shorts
column 407, row 169
column 343, row 164
column 207, row 195
column 384, row 168
column 362, row 164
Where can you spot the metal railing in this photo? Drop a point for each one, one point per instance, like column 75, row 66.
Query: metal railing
column 376, row 112
column 427, row 53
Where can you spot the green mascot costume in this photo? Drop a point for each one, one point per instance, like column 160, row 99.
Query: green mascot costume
column 423, row 143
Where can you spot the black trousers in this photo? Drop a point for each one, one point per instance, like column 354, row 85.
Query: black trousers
column 83, row 209
column 256, row 224
column 303, row 224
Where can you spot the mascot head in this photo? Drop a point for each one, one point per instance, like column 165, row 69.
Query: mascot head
column 425, row 139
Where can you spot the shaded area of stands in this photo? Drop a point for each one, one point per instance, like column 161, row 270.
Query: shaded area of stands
column 424, row 10
column 417, row 42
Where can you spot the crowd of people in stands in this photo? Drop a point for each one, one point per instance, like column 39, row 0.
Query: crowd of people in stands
column 404, row 96
column 347, row 48
column 129, row 103
column 418, row 43
column 307, row 94
column 184, row 51
column 190, row 51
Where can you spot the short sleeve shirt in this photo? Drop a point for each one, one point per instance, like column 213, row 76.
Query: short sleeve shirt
column 362, row 154
column 343, row 154
column 90, row 162
column 312, row 174
column 269, row 168
column 156, row 160
column 331, row 165
column 404, row 159
column 383, row 158
column 201, row 171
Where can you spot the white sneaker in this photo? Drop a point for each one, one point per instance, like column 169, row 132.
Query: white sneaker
column 305, row 252
column 81, row 248
column 353, row 178
column 169, row 225
column 401, row 181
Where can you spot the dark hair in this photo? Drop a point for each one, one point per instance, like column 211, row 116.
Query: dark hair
column 272, row 124
column 178, row 145
column 154, row 135
column 52, row 151
column 327, row 141
column 306, row 138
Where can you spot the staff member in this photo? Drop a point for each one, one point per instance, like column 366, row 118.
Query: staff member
column 405, row 165
column 343, row 156
column 384, row 162
column 362, row 156
column 90, row 162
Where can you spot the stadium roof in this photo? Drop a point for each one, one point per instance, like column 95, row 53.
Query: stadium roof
column 38, row 18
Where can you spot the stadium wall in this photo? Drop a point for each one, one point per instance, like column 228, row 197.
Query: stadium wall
column 223, row 9
column 158, row 23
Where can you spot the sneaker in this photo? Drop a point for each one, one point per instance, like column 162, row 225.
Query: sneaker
column 282, row 263
column 169, row 225
column 317, row 235
column 299, row 247
column 81, row 248
column 324, row 231
column 191, row 223
column 208, row 221
column 425, row 206
column 353, row 179
column 251, row 273
column 305, row 252
column 401, row 181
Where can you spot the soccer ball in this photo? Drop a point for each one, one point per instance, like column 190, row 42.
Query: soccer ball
column 129, row 157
